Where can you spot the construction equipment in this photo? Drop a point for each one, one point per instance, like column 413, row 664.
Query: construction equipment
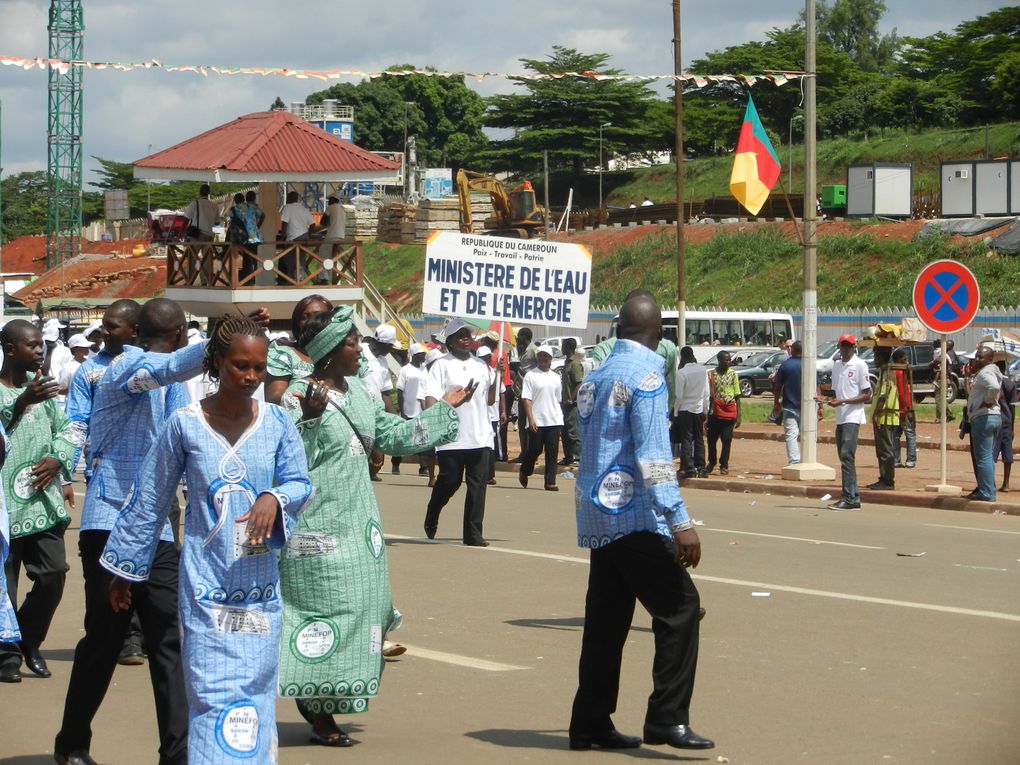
column 517, row 213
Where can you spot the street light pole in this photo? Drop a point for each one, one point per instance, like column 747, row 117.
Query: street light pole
column 601, row 127
column 678, row 151
column 405, row 162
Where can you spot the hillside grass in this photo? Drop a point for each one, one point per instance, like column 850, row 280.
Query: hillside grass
column 710, row 177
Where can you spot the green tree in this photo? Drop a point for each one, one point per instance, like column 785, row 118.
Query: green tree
column 442, row 113
column 24, row 205
column 277, row 104
column 563, row 115
column 851, row 27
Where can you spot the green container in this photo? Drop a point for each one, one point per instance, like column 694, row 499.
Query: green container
column 833, row 196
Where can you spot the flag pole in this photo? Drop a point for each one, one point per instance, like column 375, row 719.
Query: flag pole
column 793, row 218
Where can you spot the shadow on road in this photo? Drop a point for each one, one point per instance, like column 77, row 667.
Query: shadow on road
column 557, row 739
column 28, row 759
column 296, row 734
column 565, row 624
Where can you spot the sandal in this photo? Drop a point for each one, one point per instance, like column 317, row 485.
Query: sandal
column 333, row 739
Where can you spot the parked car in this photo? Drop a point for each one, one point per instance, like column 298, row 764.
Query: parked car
column 755, row 372
column 919, row 360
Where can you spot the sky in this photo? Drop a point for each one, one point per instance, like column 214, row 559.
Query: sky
column 126, row 113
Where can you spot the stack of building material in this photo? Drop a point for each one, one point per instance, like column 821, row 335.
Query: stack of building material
column 436, row 215
column 396, row 223
column 481, row 211
column 362, row 222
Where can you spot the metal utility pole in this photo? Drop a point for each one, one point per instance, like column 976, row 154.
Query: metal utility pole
column 64, row 132
column 809, row 468
column 602, row 127
column 545, row 182
column 678, row 151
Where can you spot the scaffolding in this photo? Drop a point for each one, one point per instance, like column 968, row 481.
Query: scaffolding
column 64, row 133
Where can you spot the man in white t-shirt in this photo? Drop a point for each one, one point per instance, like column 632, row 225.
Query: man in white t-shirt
column 203, row 214
column 295, row 225
column 412, row 386
column 57, row 354
column 334, row 220
column 852, row 388
column 468, row 456
column 543, row 417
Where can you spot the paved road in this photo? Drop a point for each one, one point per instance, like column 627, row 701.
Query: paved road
column 856, row 655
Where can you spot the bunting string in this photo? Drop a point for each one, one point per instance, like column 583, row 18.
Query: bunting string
column 776, row 77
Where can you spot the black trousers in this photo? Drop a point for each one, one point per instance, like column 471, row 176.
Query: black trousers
column 571, row 434
column 719, row 430
column 42, row 555
column 884, row 442
column 690, row 436
column 498, row 448
column 454, row 466
column 546, row 439
column 638, row 567
column 95, row 657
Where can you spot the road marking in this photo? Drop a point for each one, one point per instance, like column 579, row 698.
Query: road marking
column 979, row 568
column 970, row 528
column 779, row 587
column 460, row 661
column 795, row 539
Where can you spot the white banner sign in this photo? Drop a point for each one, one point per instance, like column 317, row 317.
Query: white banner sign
column 501, row 279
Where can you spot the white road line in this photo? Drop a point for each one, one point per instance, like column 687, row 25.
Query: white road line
column 791, row 539
column 461, row 661
column 780, row 587
column 970, row 528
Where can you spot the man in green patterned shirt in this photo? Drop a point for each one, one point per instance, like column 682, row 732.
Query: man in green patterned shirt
column 43, row 448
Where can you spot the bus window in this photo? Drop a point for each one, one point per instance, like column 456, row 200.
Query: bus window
column 758, row 332
column 781, row 330
column 613, row 326
column 698, row 332
column 727, row 332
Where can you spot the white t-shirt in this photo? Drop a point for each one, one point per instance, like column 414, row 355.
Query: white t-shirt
column 378, row 377
column 66, row 375
column 413, row 383
column 691, row 389
column 494, row 406
column 203, row 214
column 449, row 372
column 61, row 357
column 543, row 390
column 337, row 221
column 850, row 380
column 297, row 218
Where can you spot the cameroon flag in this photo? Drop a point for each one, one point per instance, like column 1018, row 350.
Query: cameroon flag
column 756, row 167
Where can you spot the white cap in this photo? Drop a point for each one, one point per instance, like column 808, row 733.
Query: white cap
column 546, row 349
column 417, row 348
column 93, row 327
column 78, row 341
column 50, row 332
column 483, row 352
column 386, row 334
column 433, row 354
column 55, row 323
column 453, row 326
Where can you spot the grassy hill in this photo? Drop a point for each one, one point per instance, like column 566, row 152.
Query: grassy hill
column 705, row 178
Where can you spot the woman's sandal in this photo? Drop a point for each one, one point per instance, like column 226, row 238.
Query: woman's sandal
column 333, row 739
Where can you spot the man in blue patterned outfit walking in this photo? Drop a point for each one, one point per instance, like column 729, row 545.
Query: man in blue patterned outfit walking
column 630, row 514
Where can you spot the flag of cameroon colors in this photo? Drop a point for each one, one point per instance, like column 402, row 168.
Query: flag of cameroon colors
column 756, row 167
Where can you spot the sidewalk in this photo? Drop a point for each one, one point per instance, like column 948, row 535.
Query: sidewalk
column 758, row 455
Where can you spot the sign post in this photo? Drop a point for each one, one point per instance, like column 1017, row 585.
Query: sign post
column 946, row 300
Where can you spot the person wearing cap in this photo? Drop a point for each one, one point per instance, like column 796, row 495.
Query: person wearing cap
column 375, row 351
column 540, row 397
column 57, row 354
column 80, row 348
column 885, row 417
column 412, row 383
column 851, row 387
column 468, row 456
column 94, row 334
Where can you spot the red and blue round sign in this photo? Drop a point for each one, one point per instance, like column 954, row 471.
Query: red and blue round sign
column 946, row 296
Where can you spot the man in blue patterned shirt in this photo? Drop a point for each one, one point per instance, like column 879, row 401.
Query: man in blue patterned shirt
column 630, row 514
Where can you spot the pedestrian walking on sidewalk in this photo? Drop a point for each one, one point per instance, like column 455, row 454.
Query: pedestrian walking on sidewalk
column 723, row 414
column 786, row 400
column 885, row 417
column 852, row 389
column 984, row 416
column 692, row 402
column 907, row 429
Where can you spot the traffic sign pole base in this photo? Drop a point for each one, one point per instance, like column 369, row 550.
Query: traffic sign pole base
column 944, row 489
column 808, row 471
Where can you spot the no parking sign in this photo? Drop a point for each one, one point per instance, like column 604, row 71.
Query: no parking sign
column 946, row 296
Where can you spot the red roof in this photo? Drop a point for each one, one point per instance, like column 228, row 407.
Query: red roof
column 25, row 255
column 98, row 276
column 265, row 144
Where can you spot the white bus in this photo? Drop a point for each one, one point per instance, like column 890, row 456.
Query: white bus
column 738, row 332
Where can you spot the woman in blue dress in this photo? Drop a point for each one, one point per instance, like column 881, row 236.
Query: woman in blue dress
column 245, row 467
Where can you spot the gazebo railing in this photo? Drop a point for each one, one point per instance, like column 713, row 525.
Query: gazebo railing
column 291, row 265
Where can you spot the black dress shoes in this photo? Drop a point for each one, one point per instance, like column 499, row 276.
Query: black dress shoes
column 611, row 740
column 10, row 673
column 844, row 505
column 476, row 543
column 881, row 486
column 77, row 757
column 677, row 736
column 34, row 661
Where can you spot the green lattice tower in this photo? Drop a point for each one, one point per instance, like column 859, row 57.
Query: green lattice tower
column 64, row 133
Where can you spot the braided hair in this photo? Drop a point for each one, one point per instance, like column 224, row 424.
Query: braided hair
column 226, row 329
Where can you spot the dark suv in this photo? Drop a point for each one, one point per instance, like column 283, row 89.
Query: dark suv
column 920, row 358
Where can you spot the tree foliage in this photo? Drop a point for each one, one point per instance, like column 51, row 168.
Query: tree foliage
column 442, row 113
column 24, row 205
column 563, row 115
column 851, row 27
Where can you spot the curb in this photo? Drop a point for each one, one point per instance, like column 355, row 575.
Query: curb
column 757, row 435
column 902, row 499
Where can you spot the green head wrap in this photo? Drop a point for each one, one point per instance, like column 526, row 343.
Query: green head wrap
column 341, row 322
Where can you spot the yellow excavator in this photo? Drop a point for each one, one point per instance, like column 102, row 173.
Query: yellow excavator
column 517, row 212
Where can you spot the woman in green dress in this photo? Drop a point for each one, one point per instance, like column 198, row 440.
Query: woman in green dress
column 285, row 362
column 334, row 574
